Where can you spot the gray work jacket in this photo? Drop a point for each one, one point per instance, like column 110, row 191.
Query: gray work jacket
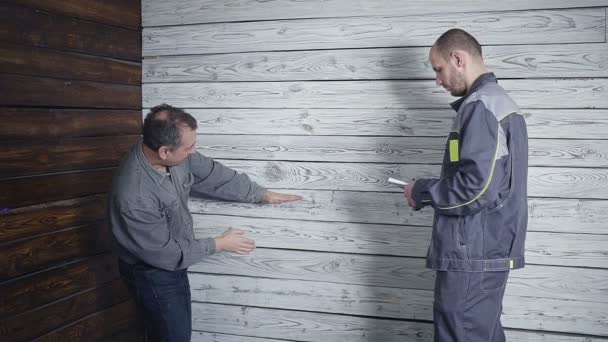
column 480, row 199
column 149, row 214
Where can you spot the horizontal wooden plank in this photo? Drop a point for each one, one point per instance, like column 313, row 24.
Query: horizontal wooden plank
column 199, row 336
column 525, row 27
column 580, row 317
column 28, row 60
column 96, row 327
column 341, row 237
column 43, row 91
column 311, row 326
column 135, row 333
column 28, row 222
column 37, row 253
column 562, row 123
column 304, row 326
column 507, row 61
column 35, row 323
column 549, row 93
column 559, row 249
column 20, row 192
column 156, row 13
column 551, row 282
column 31, row 158
column 48, row 286
column 543, row 181
column 113, row 12
column 544, row 214
column 23, row 25
column 40, row 124
column 542, row 152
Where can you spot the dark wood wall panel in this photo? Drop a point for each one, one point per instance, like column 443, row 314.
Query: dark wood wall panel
column 20, row 59
column 37, row 253
column 44, row 91
column 26, row 191
column 42, row 124
column 110, row 324
column 41, row 288
column 113, row 12
column 39, row 321
column 23, row 159
column 70, row 107
column 47, row 219
column 26, row 26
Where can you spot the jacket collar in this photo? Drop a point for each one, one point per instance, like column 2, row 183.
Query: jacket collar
column 479, row 82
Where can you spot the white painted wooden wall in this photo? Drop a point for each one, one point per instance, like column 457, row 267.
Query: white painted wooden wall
column 328, row 98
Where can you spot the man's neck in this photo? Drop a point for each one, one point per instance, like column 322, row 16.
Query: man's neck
column 155, row 162
column 473, row 75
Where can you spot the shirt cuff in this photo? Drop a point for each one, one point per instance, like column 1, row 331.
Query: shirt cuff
column 207, row 245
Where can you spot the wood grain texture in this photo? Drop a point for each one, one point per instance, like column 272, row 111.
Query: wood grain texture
column 27, row 191
column 35, row 323
column 581, row 183
column 199, row 336
column 544, row 214
column 23, row 159
column 51, row 217
column 97, row 326
column 548, row 93
column 113, row 12
column 542, row 152
column 207, row 11
column 384, row 302
column 27, row 26
column 41, row 124
column 507, row 61
column 53, row 284
column 28, row 60
column 558, row 249
column 303, row 326
column 38, row 253
column 526, row 27
column 42, row 91
column 542, row 123
column 541, row 281
column 310, row 326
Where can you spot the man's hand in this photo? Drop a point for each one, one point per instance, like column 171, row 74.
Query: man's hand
column 232, row 240
column 408, row 194
column 276, row 198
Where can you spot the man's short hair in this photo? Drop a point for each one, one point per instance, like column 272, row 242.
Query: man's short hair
column 457, row 39
column 163, row 125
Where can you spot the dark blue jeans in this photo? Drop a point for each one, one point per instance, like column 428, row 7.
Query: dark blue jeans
column 468, row 305
column 163, row 300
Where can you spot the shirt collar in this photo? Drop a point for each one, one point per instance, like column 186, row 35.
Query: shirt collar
column 157, row 177
column 480, row 81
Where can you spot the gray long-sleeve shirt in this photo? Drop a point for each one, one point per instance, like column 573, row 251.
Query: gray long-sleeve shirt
column 149, row 214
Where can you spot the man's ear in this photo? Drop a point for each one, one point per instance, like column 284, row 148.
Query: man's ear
column 163, row 152
column 459, row 58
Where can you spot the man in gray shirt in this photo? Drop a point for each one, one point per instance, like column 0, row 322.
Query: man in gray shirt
column 153, row 227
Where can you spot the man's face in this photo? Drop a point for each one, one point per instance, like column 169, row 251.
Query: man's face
column 447, row 73
column 187, row 147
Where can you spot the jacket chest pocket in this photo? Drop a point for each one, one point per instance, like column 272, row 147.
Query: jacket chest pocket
column 451, row 161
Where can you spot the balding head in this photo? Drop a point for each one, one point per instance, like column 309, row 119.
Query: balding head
column 457, row 39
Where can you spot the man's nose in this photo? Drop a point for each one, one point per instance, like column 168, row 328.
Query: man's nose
column 438, row 81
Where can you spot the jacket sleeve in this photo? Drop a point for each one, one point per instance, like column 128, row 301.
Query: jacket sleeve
column 213, row 179
column 144, row 233
column 469, row 188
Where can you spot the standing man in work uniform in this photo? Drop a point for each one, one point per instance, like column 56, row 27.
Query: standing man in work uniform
column 480, row 199
column 153, row 227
